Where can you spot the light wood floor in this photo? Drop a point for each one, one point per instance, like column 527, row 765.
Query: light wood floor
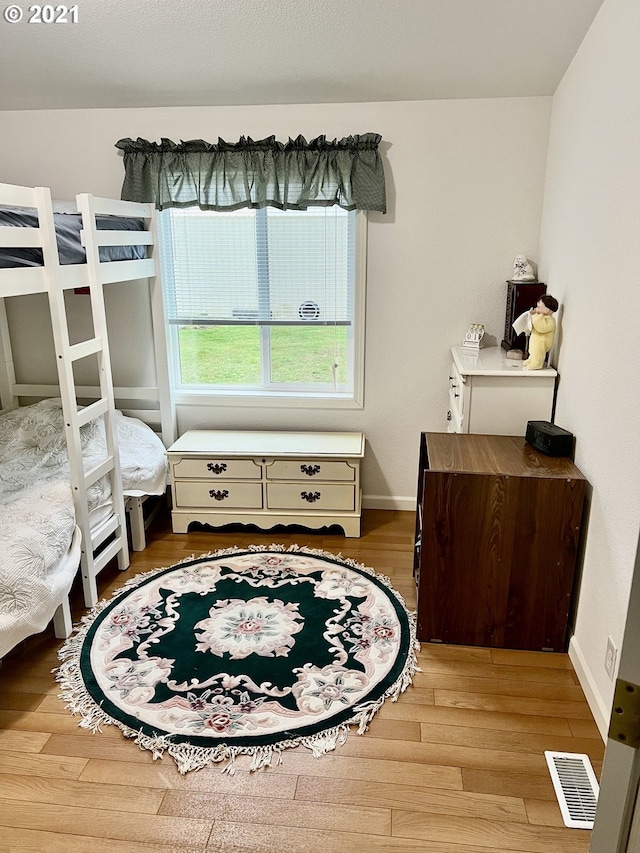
column 456, row 765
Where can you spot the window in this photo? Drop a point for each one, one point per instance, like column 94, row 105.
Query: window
column 265, row 305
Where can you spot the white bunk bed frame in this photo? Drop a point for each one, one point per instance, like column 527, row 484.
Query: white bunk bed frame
column 54, row 279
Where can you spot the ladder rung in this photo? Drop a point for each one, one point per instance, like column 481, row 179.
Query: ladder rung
column 92, row 411
column 108, row 554
column 105, row 531
column 98, row 471
column 85, row 348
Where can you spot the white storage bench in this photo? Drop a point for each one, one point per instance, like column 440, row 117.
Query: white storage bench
column 267, row 478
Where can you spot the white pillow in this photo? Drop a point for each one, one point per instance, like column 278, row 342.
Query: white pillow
column 65, row 207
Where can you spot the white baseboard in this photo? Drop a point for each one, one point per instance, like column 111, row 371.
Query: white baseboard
column 601, row 713
column 389, row 502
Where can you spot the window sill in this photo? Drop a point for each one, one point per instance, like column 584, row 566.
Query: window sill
column 273, row 400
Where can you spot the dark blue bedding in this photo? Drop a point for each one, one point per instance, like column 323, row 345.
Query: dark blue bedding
column 70, row 250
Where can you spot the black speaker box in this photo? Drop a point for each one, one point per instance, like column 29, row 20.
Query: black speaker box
column 549, row 438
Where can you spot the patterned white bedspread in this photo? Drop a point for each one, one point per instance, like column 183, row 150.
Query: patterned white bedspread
column 37, row 518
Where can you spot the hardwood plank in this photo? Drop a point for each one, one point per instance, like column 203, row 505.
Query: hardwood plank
column 407, row 730
column 380, row 552
column 487, row 834
column 418, row 696
column 445, row 755
column 386, row 795
column 544, row 812
column 18, row 741
column 38, row 764
column 34, row 684
column 247, row 838
column 518, row 705
column 510, row 657
column 51, row 704
column 441, row 652
column 407, row 590
column 80, row 746
column 499, row 686
column 339, row 767
column 164, row 774
column 15, row 700
column 67, row 792
column 515, row 741
column 53, row 723
column 585, row 728
column 438, row 715
column 373, row 542
column 509, row 782
column 41, row 648
column 263, row 810
column 35, row 840
column 475, row 668
column 36, row 667
column 294, row 762
column 117, row 825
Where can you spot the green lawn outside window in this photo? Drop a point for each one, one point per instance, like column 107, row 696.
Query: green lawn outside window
column 230, row 355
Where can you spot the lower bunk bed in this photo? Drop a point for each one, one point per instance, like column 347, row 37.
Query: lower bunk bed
column 39, row 537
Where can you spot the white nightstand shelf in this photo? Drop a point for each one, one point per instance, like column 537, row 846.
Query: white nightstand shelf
column 267, row 478
column 493, row 395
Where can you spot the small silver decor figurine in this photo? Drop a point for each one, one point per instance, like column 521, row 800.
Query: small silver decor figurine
column 474, row 335
column 522, row 269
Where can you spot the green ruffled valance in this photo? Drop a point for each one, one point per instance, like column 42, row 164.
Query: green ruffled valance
column 292, row 175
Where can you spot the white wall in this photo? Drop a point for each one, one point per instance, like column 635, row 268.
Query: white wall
column 590, row 259
column 465, row 182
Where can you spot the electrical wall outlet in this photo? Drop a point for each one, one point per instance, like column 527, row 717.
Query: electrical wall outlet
column 610, row 658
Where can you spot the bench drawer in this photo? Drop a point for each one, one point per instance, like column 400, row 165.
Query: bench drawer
column 216, row 469
column 318, row 496
column 306, row 470
column 218, row 495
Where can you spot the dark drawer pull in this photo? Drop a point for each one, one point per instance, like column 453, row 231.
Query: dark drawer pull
column 217, row 467
column 311, row 497
column 310, row 470
column 218, row 494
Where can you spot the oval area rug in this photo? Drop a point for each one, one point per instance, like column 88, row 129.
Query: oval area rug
column 241, row 652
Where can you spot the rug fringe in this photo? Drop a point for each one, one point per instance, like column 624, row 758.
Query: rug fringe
column 189, row 757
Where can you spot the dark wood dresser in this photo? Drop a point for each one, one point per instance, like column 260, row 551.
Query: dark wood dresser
column 497, row 533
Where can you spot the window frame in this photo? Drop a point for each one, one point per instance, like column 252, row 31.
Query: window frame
column 281, row 398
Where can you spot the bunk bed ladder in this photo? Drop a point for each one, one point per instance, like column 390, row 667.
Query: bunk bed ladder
column 111, row 539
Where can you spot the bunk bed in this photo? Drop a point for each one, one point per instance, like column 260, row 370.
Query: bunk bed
column 73, row 466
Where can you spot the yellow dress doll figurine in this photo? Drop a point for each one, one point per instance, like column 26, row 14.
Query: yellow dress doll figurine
column 543, row 329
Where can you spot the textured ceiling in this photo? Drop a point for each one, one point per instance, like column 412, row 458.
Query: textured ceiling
column 142, row 53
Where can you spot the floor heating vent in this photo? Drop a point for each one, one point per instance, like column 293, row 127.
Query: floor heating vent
column 576, row 788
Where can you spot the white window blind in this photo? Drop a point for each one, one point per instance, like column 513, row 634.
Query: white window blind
column 265, row 267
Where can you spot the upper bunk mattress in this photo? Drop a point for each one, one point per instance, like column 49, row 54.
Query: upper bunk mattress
column 68, row 227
